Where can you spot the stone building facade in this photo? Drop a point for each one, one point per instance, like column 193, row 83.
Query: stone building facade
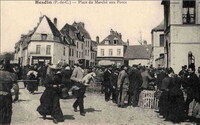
column 43, row 45
column 111, row 50
column 157, row 41
column 182, row 33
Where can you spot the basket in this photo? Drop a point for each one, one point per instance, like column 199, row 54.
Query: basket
column 147, row 100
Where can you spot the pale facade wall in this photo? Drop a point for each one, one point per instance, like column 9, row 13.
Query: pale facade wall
column 157, row 50
column 56, row 51
column 80, row 50
column 180, row 56
column 106, row 50
column 137, row 61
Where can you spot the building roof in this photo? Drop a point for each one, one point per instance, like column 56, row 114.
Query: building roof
column 54, row 30
column 93, row 45
column 160, row 27
column 81, row 27
column 138, row 52
column 112, row 37
column 25, row 38
column 72, row 32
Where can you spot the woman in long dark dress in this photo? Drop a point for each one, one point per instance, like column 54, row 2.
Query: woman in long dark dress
column 49, row 100
column 176, row 101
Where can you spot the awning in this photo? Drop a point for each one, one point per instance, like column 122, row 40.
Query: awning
column 105, row 62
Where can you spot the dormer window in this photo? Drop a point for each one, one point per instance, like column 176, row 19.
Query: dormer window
column 189, row 12
column 43, row 36
column 107, row 42
column 115, row 41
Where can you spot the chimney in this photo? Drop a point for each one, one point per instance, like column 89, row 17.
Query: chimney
column 111, row 31
column 97, row 39
column 128, row 42
column 120, row 35
column 55, row 22
column 82, row 24
column 40, row 19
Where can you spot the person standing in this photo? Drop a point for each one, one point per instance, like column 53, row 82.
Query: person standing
column 135, row 79
column 15, row 85
column 77, row 76
column 122, row 86
column 107, row 83
column 114, row 76
column 49, row 101
column 7, row 79
column 145, row 78
column 192, row 88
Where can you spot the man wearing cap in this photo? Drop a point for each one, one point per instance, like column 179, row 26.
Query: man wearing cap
column 77, row 77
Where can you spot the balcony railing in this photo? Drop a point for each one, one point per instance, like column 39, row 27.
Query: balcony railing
column 188, row 18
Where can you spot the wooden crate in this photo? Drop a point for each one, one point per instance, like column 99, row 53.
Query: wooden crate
column 147, row 99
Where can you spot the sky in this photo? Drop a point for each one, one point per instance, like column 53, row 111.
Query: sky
column 18, row 17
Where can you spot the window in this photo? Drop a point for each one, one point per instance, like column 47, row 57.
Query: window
column 82, row 45
column 115, row 41
column 118, row 52
column 162, row 40
column 48, row 49
column 162, row 55
column 77, row 45
column 72, row 52
column 77, row 54
column 189, row 12
column 43, row 36
column 88, row 53
column 64, row 51
column 38, row 49
column 88, row 44
column 107, row 42
column 110, row 52
column 102, row 52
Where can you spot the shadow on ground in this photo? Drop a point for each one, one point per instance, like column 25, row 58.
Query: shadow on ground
column 91, row 110
column 69, row 117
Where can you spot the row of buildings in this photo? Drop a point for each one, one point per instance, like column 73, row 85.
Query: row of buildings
column 46, row 44
column 175, row 42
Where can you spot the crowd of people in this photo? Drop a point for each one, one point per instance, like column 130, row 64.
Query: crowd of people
column 178, row 94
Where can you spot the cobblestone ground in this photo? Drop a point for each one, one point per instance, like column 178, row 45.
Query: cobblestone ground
column 98, row 112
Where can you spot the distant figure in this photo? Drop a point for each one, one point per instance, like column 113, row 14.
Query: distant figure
column 107, row 83
column 122, row 85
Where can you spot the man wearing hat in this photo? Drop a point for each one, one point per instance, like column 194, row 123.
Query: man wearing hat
column 77, row 77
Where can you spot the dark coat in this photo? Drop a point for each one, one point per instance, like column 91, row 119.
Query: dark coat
column 66, row 75
column 145, row 78
column 107, row 76
column 49, row 101
column 193, row 87
column 135, row 79
column 160, row 76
